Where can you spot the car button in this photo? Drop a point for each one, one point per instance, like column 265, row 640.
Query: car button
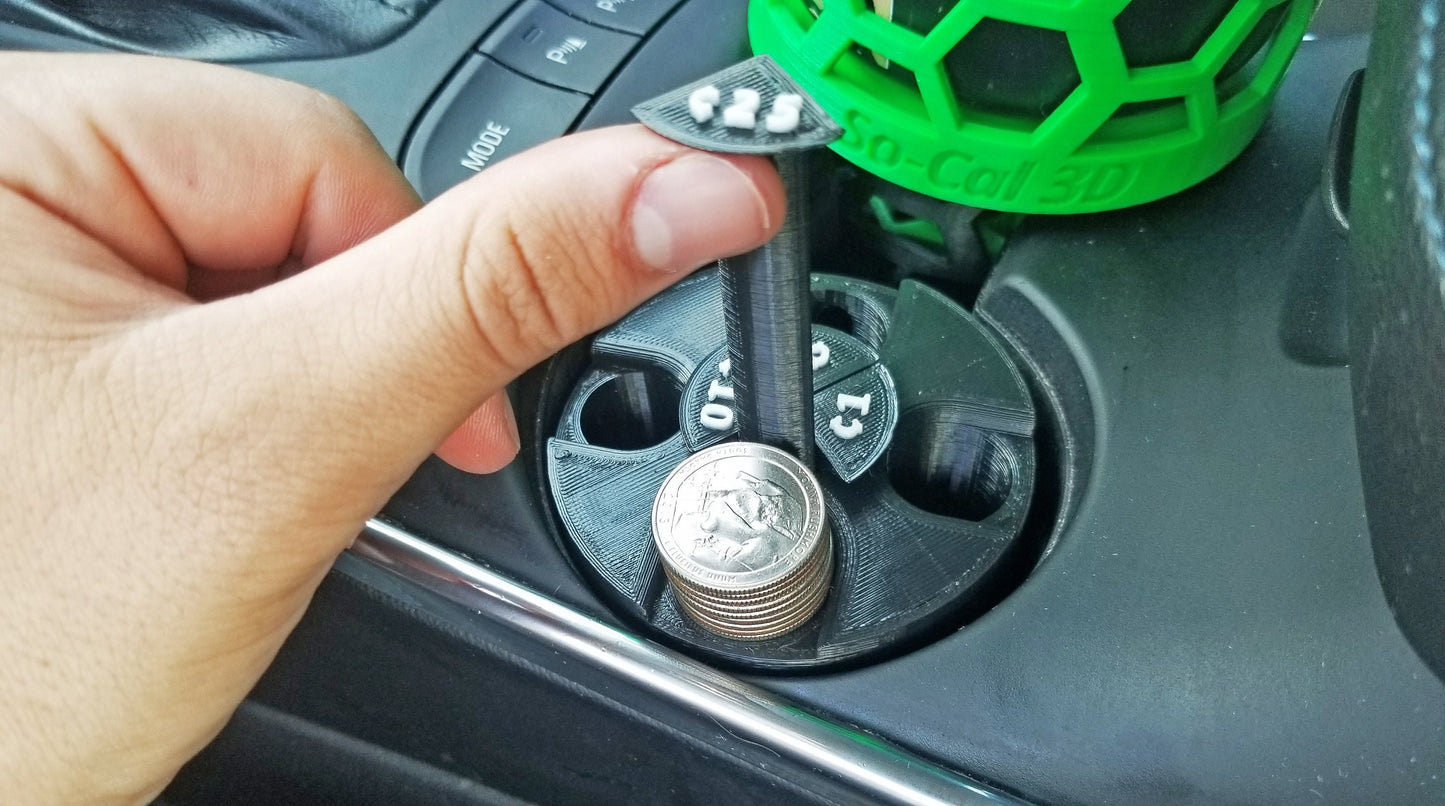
column 633, row 16
column 483, row 115
column 542, row 42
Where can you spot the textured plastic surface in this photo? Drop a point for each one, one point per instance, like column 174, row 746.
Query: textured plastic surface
column 847, row 358
column 767, row 312
column 484, row 114
column 670, row 116
column 632, row 16
column 656, row 65
column 1129, row 131
column 1397, row 317
column 907, row 565
column 541, row 42
column 765, row 291
column 391, row 670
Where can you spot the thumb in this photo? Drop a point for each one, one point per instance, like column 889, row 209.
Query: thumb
column 370, row 359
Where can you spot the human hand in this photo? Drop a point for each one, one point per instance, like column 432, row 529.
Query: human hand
column 181, row 475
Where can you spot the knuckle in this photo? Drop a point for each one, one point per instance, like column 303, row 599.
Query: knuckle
column 329, row 107
column 328, row 115
column 514, row 291
column 538, row 274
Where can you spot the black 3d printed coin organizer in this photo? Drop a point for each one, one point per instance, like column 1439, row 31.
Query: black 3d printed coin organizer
column 927, row 493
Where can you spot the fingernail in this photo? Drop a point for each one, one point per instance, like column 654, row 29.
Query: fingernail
column 509, row 417
column 694, row 210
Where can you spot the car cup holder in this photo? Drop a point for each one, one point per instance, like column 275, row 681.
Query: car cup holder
column 925, row 432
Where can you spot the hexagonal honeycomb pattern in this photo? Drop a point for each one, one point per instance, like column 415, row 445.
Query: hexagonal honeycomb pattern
column 1154, row 32
column 1007, row 68
column 1042, row 81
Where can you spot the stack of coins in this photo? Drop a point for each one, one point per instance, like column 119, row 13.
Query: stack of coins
column 744, row 540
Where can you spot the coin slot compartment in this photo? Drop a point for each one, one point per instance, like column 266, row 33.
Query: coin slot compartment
column 943, row 465
column 937, row 531
column 851, row 313
column 631, row 411
column 834, row 316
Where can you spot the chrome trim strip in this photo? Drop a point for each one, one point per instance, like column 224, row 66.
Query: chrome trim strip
column 889, row 774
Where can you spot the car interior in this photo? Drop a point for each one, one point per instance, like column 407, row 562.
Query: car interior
column 1156, row 512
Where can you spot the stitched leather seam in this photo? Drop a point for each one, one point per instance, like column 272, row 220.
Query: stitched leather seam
column 1422, row 171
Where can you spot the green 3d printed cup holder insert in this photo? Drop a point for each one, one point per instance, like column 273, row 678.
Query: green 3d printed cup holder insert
column 1038, row 106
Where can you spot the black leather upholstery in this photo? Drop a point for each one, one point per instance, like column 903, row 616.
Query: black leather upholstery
column 223, row 30
column 1397, row 315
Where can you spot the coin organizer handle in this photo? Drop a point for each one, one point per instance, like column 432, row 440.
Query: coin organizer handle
column 927, row 501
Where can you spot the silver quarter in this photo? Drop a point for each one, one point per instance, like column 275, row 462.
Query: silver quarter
column 744, row 540
column 738, row 516
column 759, row 629
column 774, row 611
column 740, row 598
column 781, row 611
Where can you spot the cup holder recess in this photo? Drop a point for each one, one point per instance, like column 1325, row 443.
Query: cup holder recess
column 630, row 410
column 941, row 464
column 843, row 305
column 927, row 503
